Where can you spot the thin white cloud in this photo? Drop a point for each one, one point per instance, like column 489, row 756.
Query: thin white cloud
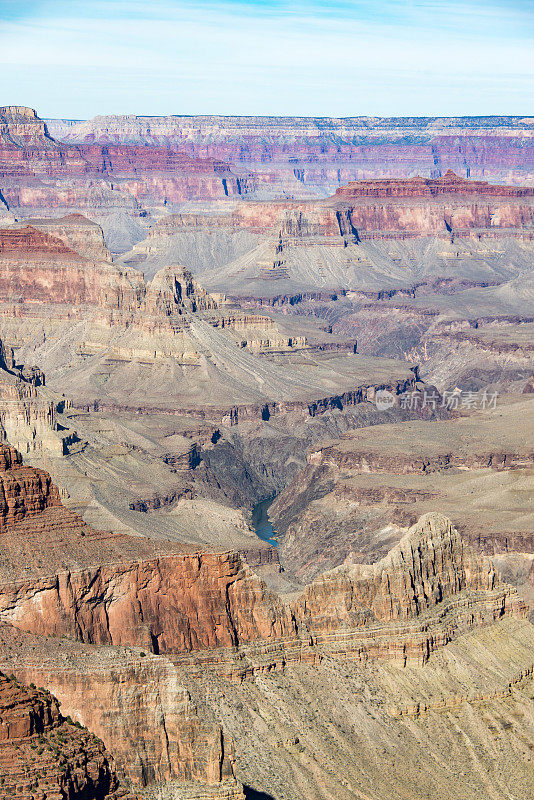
column 187, row 58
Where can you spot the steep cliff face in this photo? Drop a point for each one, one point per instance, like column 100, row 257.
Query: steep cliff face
column 28, row 416
column 42, row 755
column 415, row 207
column 27, row 149
column 138, row 706
column 38, row 266
column 177, row 604
column 449, row 184
column 418, row 206
column 24, row 491
column 156, row 175
column 340, row 728
column 429, row 566
column 315, row 151
column 21, row 127
column 78, row 233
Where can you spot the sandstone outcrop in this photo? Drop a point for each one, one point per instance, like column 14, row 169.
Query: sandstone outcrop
column 477, row 686
column 449, row 184
column 20, row 126
column 42, row 755
column 452, row 205
column 177, row 605
column 40, row 267
column 28, row 413
column 173, row 291
column 138, row 706
column 24, row 491
column 427, row 567
column 78, row 233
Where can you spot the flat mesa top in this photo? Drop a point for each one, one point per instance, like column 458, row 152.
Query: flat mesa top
column 501, row 429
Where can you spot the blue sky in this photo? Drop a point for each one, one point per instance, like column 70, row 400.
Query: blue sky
column 341, row 58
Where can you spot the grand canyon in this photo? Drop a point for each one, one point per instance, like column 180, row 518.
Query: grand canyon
column 266, row 457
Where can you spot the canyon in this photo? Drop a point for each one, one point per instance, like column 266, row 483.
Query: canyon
column 327, row 319
column 371, row 240
column 360, row 490
column 119, row 184
column 428, row 592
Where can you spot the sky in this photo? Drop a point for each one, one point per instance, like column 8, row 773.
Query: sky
column 77, row 59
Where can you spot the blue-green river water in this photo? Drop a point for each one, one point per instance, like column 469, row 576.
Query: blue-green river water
column 261, row 522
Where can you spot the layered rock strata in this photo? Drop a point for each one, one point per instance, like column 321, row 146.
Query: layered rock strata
column 377, row 238
column 357, row 494
column 24, row 491
column 60, row 275
column 108, row 339
column 209, row 614
column 303, row 152
column 374, row 209
column 28, row 412
column 184, row 603
column 42, row 755
column 39, row 172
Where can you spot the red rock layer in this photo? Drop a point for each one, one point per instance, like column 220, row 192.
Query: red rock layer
column 158, row 735
column 21, row 127
column 380, row 209
column 195, row 603
column 188, row 602
column 78, row 233
column 37, row 266
column 28, row 151
column 42, row 756
column 209, row 610
column 24, row 491
column 180, row 603
column 449, row 184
